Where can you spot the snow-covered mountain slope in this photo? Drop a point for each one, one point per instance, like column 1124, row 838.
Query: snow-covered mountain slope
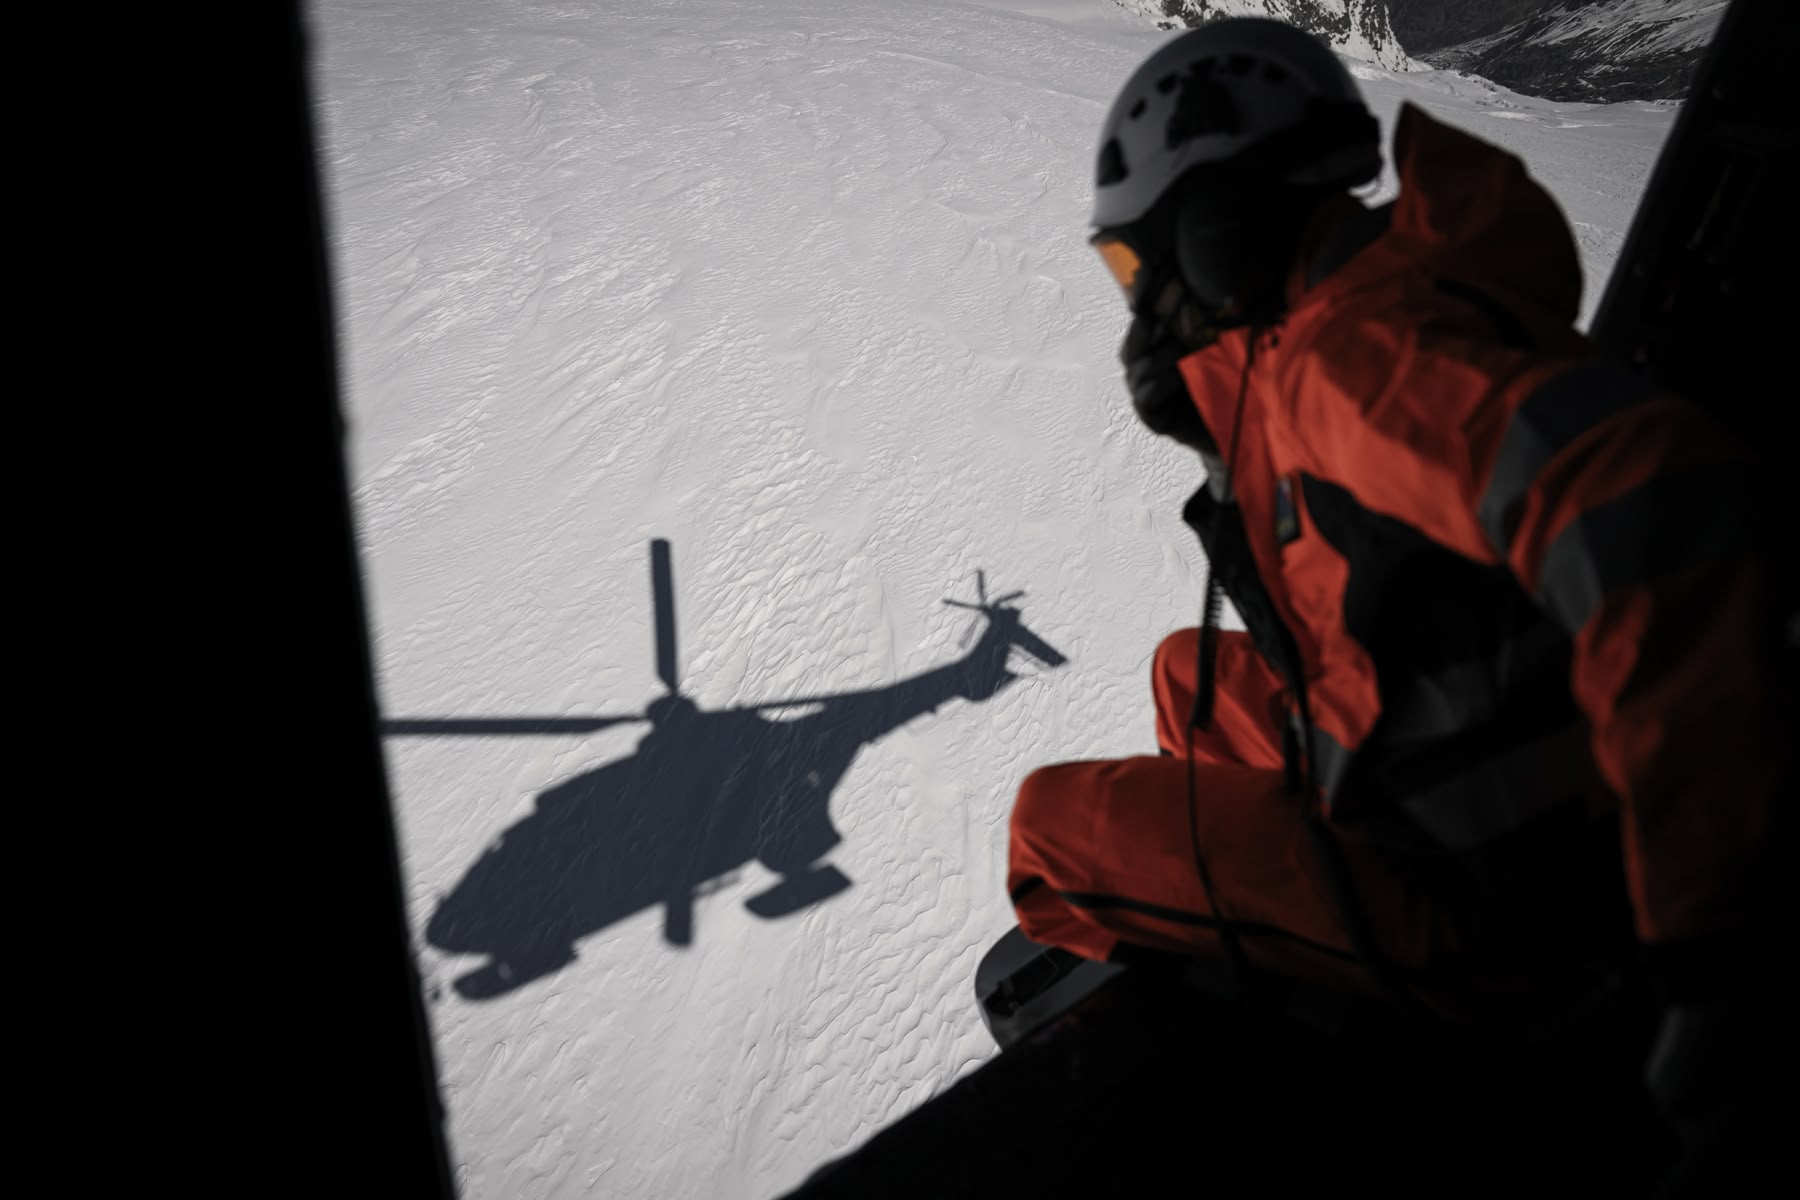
column 1579, row 50
column 1356, row 28
column 1592, row 50
column 801, row 286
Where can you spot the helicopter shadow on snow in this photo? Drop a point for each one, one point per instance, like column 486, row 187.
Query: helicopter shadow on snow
column 704, row 794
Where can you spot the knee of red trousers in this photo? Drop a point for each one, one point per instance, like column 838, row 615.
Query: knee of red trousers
column 1172, row 683
column 1176, row 657
column 1039, row 845
column 1249, row 703
column 1042, row 858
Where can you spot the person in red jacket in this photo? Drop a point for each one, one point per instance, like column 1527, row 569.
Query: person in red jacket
column 1508, row 695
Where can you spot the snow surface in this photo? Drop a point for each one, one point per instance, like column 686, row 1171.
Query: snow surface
column 802, row 287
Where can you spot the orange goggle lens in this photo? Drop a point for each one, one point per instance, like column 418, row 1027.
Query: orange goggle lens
column 1121, row 260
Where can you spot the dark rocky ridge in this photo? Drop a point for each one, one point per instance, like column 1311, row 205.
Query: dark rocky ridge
column 1505, row 41
column 1619, row 53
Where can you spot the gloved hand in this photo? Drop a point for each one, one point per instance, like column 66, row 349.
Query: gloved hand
column 1698, row 1065
column 1728, row 1030
column 1150, row 354
column 1723, row 1074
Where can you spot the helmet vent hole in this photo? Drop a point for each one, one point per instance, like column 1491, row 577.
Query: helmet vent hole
column 1204, row 108
column 1112, row 164
column 1238, row 106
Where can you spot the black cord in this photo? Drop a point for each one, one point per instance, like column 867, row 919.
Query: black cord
column 1200, row 715
column 1235, row 960
column 1248, row 995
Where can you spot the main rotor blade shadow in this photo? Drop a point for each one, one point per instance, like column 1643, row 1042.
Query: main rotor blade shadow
column 500, row 726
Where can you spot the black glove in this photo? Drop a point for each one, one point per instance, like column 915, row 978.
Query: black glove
column 1150, row 355
column 1724, row 1073
column 1724, row 1066
column 1697, row 1069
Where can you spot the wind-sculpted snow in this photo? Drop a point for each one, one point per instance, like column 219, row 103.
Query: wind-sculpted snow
column 803, row 289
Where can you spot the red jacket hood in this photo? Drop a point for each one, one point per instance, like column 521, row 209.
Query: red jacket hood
column 1470, row 209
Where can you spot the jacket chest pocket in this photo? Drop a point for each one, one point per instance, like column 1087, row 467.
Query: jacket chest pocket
column 1314, row 574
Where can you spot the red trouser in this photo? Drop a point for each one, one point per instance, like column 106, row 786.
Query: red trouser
column 1103, row 852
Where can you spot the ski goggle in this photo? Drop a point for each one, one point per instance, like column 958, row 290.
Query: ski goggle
column 1159, row 295
column 1155, row 290
column 1121, row 260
